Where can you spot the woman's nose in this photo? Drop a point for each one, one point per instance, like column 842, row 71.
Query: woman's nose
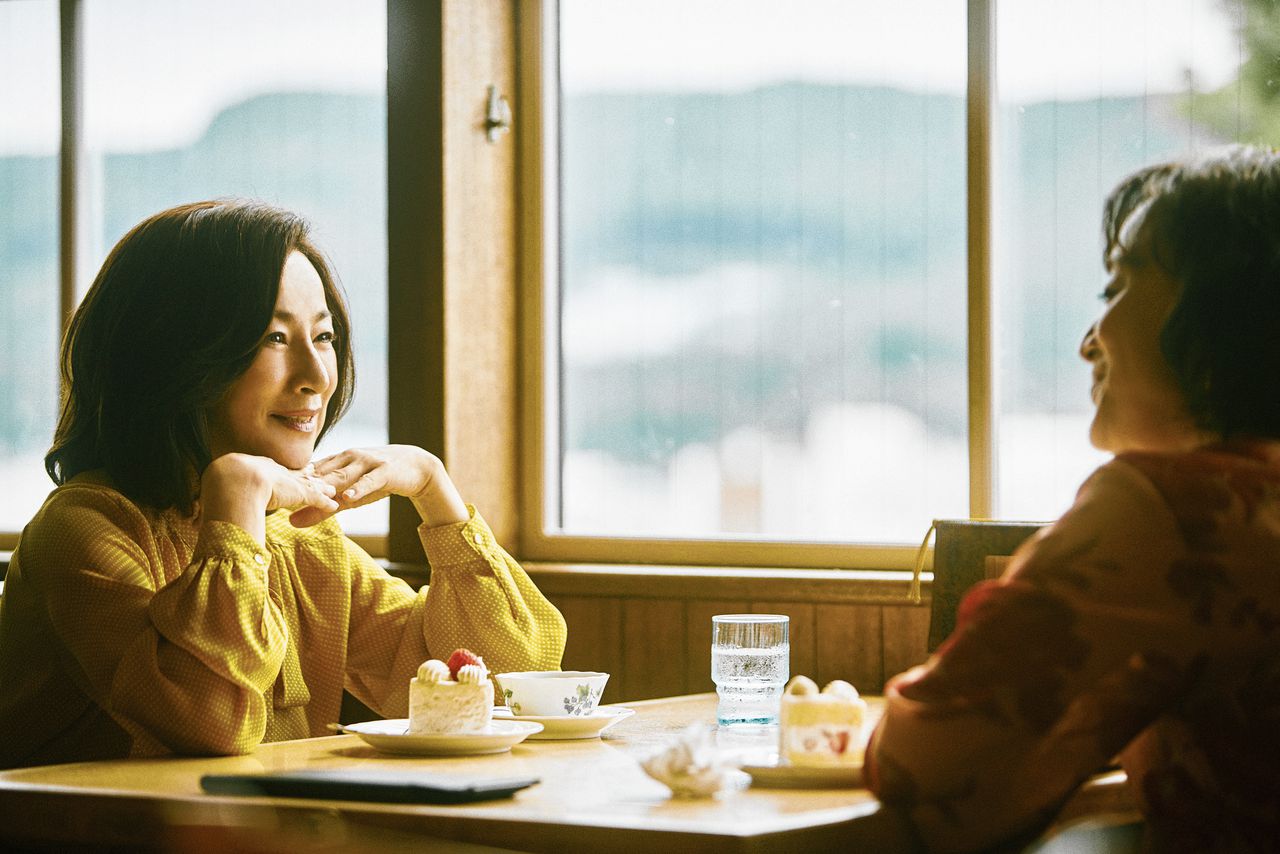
column 310, row 373
column 1089, row 348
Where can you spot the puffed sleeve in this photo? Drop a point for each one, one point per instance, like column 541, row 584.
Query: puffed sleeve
column 1050, row 672
column 479, row 598
column 183, row 665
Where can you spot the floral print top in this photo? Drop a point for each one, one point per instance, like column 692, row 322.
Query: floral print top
column 1143, row 627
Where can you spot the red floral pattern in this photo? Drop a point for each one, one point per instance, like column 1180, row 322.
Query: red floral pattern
column 1007, row 658
column 1145, row 623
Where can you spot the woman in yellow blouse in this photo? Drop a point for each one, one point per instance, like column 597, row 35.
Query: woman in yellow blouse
column 186, row 588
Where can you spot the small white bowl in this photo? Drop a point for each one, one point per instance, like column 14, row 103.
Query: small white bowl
column 553, row 692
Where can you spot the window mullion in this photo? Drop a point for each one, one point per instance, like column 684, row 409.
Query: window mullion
column 71, row 46
column 979, row 105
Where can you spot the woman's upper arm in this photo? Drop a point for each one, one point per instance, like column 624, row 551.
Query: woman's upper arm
column 163, row 659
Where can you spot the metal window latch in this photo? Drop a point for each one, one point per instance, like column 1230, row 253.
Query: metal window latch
column 497, row 120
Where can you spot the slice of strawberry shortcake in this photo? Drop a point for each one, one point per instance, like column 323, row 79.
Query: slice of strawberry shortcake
column 451, row 697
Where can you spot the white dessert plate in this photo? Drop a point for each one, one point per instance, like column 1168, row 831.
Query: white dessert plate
column 781, row 775
column 393, row 736
column 564, row 727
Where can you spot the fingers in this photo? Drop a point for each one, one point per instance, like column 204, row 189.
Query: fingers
column 360, row 476
column 317, row 502
column 366, row 491
column 320, row 501
column 333, row 462
column 343, row 477
column 370, row 486
column 345, row 468
column 302, row 488
column 313, row 485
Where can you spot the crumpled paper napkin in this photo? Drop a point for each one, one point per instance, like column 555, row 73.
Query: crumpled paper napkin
column 692, row 766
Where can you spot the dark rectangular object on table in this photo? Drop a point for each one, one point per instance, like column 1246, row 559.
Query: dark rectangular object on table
column 355, row 784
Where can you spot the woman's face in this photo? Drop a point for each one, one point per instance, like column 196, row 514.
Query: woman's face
column 1138, row 403
column 277, row 407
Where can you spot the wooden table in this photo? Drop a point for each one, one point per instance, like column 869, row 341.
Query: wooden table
column 593, row 796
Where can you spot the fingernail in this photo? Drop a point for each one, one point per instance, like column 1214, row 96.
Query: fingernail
column 350, row 493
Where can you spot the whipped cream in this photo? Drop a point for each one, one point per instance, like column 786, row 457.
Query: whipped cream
column 433, row 671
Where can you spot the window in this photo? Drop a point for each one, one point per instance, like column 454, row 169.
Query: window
column 752, row 233
column 761, row 278
column 1088, row 93
column 29, row 313
column 754, row 340
column 284, row 102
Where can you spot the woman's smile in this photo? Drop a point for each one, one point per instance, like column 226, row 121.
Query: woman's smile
column 1098, row 389
column 303, row 421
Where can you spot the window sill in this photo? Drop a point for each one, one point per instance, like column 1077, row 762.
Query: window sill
column 700, row 582
column 849, row 586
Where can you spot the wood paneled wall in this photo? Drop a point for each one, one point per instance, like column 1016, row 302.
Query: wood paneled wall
column 649, row 627
column 656, row 647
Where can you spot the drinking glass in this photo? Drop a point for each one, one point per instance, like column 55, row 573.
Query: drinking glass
column 750, row 663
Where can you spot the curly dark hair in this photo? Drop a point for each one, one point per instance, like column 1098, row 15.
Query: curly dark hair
column 1213, row 222
column 174, row 317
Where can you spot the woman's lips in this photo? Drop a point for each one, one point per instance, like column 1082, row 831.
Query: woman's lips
column 1095, row 391
column 302, row 422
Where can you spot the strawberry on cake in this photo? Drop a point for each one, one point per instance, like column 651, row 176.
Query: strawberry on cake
column 452, row 697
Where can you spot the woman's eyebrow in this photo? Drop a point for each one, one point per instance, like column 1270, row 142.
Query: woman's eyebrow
column 289, row 316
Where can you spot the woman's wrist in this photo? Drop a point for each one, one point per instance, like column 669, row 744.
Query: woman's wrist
column 438, row 502
column 232, row 491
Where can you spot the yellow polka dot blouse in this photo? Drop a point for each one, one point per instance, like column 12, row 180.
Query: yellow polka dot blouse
column 126, row 632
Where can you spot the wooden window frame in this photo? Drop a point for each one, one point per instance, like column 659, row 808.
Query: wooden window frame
column 539, row 332
column 468, row 327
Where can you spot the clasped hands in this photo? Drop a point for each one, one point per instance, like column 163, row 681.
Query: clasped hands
column 338, row 482
column 359, row 476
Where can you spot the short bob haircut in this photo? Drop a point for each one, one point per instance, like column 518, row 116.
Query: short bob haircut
column 1214, row 223
column 174, row 317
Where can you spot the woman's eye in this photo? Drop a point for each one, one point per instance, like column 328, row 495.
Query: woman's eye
column 326, row 337
column 275, row 338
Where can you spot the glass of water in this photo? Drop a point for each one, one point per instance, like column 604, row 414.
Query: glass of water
column 750, row 664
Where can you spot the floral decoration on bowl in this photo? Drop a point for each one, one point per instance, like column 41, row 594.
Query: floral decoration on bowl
column 584, row 701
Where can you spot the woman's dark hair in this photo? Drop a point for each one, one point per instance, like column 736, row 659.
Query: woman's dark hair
column 174, row 317
column 1214, row 224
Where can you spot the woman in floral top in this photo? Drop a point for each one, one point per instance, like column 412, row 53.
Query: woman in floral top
column 1145, row 623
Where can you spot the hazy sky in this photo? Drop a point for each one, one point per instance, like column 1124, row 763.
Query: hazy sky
column 158, row 70
column 1048, row 48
